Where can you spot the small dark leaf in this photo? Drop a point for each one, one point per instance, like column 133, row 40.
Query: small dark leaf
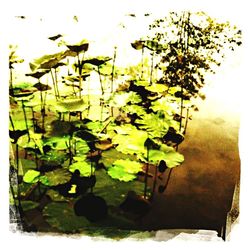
column 82, row 46
column 98, row 61
column 162, row 166
column 53, row 38
column 38, row 73
column 42, row 87
column 161, row 189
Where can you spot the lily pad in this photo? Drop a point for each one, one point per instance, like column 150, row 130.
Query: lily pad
column 120, row 174
column 157, row 88
column 133, row 143
column 83, row 166
column 155, row 125
column 58, row 176
column 124, row 170
column 31, row 176
column 171, row 157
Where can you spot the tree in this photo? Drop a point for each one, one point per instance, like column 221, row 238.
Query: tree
column 187, row 46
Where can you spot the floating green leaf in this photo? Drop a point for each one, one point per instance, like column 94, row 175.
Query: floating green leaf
column 124, row 170
column 31, row 176
column 57, row 177
column 165, row 153
column 133, row 143
column 154, row 124
column 164, row 104
column 157, row 88
column 134, row 109
column 132, row 167
column 120, row 174
column 83, row 166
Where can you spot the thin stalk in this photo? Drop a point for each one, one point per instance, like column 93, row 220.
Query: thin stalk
column 181, row 112
column 99, row 73
column 33, row 118
column 25, row 119
column 186, row 122
column 80, row 74
column 169, row 175
column 155, row 181
column 11, row 81
column 146, row 176
column 12, row 123
column 152, row 68
column 142, row 63
column 113, row 71
column 54, row 84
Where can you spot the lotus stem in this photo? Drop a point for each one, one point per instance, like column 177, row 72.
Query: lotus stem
column 181, row 112
column 11, row 122
column 25, row 119
column 99, row 73
column 54, row 84
column 113, row 71
column 142, row 62
column 146, row 175
column 33, row 118
column 80, row 73
column 152, row 68
column 155, row 181
column 11, row 81
column 186, row 122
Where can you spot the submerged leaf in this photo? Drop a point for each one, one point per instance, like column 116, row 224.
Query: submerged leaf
column 58, row 143
column 71, row 105
column 28, row 205
column 61, row 215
